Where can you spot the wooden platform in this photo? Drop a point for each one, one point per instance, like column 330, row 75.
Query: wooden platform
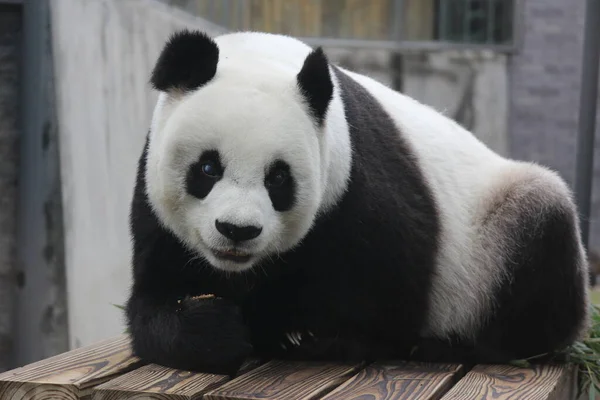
column 108, row 371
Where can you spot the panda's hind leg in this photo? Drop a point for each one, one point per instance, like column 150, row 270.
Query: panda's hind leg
column 540, row 303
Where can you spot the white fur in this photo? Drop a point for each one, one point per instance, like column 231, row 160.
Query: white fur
column 458, row 167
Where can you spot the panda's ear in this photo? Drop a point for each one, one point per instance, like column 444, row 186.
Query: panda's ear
column 315, row 84
column 188, row 60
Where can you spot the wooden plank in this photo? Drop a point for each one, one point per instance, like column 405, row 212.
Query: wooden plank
column 285, row 380
column 70, row 375
column 157, row 382
column 400, row 381
column 499, row 382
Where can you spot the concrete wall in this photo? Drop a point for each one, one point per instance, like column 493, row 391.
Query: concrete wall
column 469, row 86
column 544, row 84
column 103, row 53
column 10, row 39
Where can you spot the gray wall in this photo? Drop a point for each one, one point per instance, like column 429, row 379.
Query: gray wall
column 103, row 53
column 10, row 38
column 544, row 92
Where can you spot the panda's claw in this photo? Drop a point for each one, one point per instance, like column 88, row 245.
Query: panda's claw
column 294, row 338
column 290, row 338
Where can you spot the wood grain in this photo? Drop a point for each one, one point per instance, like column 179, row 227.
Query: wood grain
column 160, row 383
column 500, row 382
column 414, row 381
column 281, row 380
column 70, row 375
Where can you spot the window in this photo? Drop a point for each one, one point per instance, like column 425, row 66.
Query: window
column 474, row 21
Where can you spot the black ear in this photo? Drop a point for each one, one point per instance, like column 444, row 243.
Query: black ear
column 188, row 61
column 315, row 83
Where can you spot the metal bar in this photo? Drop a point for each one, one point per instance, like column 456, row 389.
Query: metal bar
column 587, row 115
column 240, row 15
column 518, row 21
column 407, row 45
column 443, row 19
column 491, row 16
column 466, row 37
column 226, row 10
column 397, row 34
column 397, row 20
column 41, row 329
column 9, row 84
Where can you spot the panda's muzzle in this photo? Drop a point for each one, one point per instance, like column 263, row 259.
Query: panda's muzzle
column 236, row 234
column 232, row 255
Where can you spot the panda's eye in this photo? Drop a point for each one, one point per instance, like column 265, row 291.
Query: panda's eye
column 209, row 168
column 277, row 177
column 204, row 174
column 281, row 185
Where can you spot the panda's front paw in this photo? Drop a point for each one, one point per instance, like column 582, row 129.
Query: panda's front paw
column 212, row 335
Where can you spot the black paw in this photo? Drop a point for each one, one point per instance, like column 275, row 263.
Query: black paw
column 213, row 332
column 206, row 335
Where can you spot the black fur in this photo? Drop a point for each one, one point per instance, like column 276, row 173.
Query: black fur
column 188, row 61
column 315, row 84
column 541, row 306
column 282, row 194
column 198, row 183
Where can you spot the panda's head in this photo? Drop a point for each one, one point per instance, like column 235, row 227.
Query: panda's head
column 237, row 163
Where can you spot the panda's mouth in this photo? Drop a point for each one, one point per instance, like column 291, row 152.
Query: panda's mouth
column 232, row 255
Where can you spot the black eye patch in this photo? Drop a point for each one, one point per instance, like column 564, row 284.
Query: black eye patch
column 281, row 186
column 204, row 173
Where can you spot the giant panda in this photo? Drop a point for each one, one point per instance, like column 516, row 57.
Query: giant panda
column 288, row 208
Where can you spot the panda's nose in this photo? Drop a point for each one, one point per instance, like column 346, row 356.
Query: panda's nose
column 238, row 233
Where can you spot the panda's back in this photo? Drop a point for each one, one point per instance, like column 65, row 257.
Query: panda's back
column 469, row 183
